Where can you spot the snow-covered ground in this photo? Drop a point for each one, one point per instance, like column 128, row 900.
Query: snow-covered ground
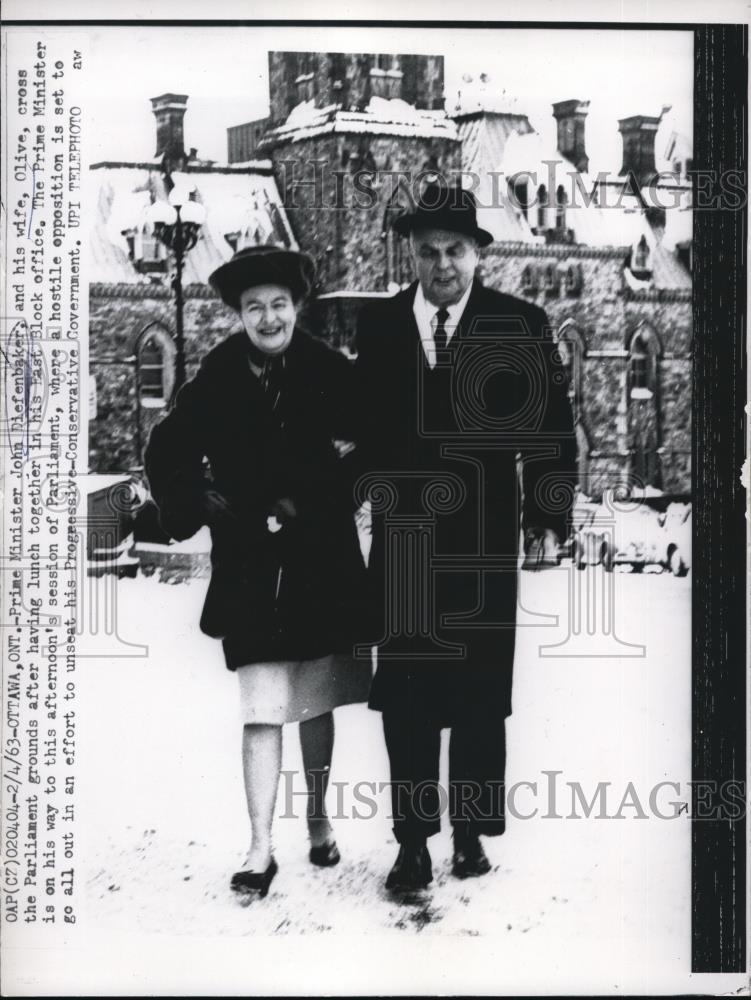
column 598, row 904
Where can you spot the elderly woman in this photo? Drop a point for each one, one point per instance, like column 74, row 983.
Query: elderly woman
column 252, row 448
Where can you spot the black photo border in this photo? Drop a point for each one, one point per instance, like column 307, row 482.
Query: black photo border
column 719, row 726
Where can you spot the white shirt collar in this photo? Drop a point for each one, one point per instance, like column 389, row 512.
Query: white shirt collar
column 425, row 316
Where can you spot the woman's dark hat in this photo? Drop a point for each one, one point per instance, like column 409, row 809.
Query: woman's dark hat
column 264, row 265
column 443, row 207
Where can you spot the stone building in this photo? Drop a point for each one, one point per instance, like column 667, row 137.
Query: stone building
column 349, row 140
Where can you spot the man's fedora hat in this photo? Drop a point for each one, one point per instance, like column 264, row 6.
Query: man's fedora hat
column 443, row 207
column 264, row 265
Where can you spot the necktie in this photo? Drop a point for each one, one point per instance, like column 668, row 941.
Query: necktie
column 440, row 338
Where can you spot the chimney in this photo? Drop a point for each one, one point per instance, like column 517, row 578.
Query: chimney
column 570, row 117
column 169, row 111
column 639, row 133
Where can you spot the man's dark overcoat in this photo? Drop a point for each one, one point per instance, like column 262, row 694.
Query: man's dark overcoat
column 224, row 435
column 443, row 561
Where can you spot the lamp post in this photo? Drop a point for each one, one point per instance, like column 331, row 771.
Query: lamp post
column 177, row 224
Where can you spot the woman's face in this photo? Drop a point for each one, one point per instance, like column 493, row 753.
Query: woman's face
column 268, row 315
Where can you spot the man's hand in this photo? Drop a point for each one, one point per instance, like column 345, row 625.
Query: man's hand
column 540, row 548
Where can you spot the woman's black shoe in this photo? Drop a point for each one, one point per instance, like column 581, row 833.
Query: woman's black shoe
column 254, row 883
column 325, row 855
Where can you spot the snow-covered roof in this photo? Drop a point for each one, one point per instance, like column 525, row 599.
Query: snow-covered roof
column 600, row 214
column 381, row 117
column 235, row 200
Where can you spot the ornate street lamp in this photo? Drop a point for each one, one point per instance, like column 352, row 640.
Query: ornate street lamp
column 177, row 224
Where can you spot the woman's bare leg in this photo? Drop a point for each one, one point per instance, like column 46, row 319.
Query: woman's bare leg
column 317, row 742
column 262, row 761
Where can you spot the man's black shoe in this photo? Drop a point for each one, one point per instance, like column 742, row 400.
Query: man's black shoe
column 412, row 868
column 469, row 859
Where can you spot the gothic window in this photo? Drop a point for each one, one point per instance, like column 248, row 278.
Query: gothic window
column 643, row 360
column 155, row 366
column 561, row 200
column 639, row 374
column 542, row 207
column 152, row 370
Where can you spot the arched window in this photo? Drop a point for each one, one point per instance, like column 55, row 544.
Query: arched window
column 155, row 363
column 542, row 207
column 152, row 370
column 561, row 200
column 643, row 358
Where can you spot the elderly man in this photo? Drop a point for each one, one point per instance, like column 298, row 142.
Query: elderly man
column 463, row 390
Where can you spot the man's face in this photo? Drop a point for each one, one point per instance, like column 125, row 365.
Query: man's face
column 445, row 263
column 268, row 315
